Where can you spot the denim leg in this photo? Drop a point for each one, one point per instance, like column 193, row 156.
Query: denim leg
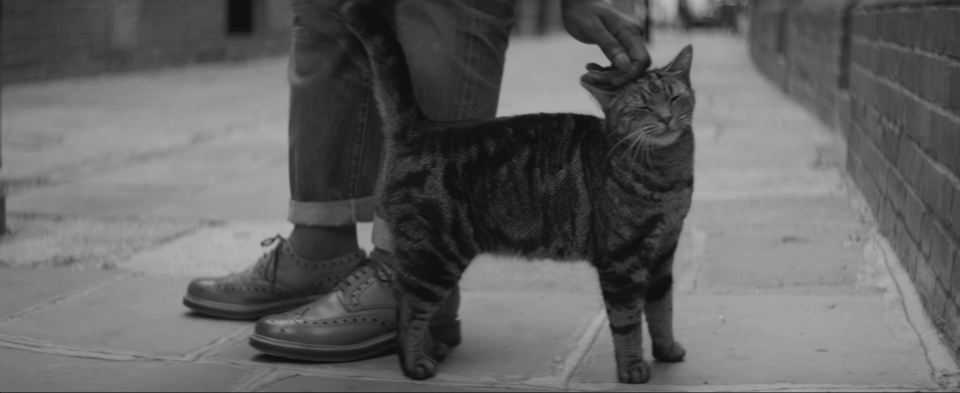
column 455, row 51
column 334, row 137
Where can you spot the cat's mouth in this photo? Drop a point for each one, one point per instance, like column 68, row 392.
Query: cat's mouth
column 663, row 137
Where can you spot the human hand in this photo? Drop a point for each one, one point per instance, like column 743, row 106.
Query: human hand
column 620, row 39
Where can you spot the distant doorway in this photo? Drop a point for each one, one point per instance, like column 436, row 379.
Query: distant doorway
column 239, row 17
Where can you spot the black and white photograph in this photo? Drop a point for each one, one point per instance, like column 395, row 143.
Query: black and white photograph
column 479, row 195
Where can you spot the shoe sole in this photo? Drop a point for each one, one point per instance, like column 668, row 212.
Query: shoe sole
column 242, row 311
column 446, row 332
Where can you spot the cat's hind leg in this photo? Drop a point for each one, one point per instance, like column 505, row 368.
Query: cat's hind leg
column 659, row 310
column 623, row 286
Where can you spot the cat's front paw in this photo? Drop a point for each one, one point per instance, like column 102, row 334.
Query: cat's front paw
column 669, row 353
column 636, row 373
column 421, row 368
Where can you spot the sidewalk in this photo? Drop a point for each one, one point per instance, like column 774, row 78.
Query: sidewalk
column 126, row 187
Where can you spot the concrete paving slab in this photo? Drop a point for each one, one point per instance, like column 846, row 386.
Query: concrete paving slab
column 737, row 262
column 795, row 244
column 110, row 120
column 713, row 184
column 264, row 196
column 770, row 340
column 202, row 182
column 34, row 372
column 824, row 216
column 302, row 383
column 230, row 158
column 92, row 199
column 210, row 251
column 140, row 315
column 82, row 242
column 508, row 337
column 500, row 273
column 22, row 289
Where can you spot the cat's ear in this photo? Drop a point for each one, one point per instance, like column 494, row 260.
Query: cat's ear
column 681, row 64
column 603, row 96
column 597, row 82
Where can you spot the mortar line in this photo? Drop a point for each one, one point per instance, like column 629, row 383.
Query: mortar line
column 700, row 249
column 759, row 387
column 935, row 107
column 926, row 343
column 381, row 376
column 572, row 362
column 915, row 50
column 218, row 344
column 66, row 298
column 54, row 348
column 261, row 379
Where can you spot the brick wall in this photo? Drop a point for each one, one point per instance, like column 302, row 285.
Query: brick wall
column 767, row 49
column 47, row 39
column 886, row 73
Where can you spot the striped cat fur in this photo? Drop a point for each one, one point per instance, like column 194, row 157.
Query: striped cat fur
column 611, row 191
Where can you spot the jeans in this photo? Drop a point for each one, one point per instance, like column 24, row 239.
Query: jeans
column 455, row 50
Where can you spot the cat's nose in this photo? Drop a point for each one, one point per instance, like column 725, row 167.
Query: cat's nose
column 664, row 114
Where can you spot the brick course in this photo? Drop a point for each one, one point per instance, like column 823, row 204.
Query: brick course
column 899, row 109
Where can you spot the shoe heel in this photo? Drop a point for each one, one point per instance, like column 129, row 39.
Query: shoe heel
column 447, row 332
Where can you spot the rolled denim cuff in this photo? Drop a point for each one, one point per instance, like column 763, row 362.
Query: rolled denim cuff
column 331, row 213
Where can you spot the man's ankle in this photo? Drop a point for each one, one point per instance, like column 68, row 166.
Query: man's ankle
column 321, row 243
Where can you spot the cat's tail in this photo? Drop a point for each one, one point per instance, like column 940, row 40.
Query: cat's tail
column 392, row 87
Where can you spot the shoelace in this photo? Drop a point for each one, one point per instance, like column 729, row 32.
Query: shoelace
column 273, row 257
column 383, row 271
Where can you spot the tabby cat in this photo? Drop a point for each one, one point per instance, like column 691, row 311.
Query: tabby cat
column 563, row 186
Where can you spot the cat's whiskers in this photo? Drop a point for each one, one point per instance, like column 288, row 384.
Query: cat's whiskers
column 615, row 146
column 639, row 145
column 646, row 156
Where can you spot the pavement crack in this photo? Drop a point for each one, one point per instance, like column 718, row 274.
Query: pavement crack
column 65, row 298
column 261, row 379
column 52, row 348
column 220, row 343
column 897, row 295
column 573, row 360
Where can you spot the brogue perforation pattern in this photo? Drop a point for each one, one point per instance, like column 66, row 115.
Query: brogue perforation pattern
column 339, row 321
column 309, row 265
column 355, row 294
column 247, row 288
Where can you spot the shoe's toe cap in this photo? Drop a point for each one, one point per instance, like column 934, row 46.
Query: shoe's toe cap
column 210, row 289
column 334, row 332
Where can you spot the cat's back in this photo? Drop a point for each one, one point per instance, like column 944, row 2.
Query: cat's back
column 519, row 130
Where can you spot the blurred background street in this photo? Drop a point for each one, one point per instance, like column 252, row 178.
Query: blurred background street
column 814, row 257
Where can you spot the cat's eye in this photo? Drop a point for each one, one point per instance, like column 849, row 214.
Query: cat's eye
column 676, row 99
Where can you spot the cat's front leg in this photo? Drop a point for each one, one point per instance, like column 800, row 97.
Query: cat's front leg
column 418, row 352
column 427, row 272
column 623, row 295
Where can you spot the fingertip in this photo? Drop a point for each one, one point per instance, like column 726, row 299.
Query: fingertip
column 622, row 62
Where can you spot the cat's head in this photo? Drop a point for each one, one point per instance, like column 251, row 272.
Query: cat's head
column 654, row 109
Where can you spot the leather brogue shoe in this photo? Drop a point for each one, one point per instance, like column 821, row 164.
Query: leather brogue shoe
column 279, row 281
column 356, row 321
